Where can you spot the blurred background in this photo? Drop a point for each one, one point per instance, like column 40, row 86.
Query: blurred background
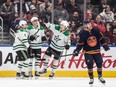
column 102, row 14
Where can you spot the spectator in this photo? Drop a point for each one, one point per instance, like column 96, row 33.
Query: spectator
column 114, row 24
column 60, row 12
column 43, row 5
column 46, row 14
column 72, row 33
column 75, row 17
column 111, row 35
column 102, row 5
column 72, row 6
column 99, row 24
column 107, row 14
column 25, row 7
column 15, row 24
column 57, row 2
column 7, row 12
column 35, row 5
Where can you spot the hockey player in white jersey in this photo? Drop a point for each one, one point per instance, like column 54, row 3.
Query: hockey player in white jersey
column 36, row 36
column 20, row 46
column 60, row 41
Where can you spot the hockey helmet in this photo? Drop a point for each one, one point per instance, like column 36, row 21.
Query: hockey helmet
column 22, row 22
column 64, row 23
column 34, row 19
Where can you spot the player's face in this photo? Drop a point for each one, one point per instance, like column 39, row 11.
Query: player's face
column 24, row 26
column 62, row 27
column 35, row 23
column 89, row 26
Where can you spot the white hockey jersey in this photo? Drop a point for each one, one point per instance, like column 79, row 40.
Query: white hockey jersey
column 59, row 39
column 21, row 40
column 38, row 33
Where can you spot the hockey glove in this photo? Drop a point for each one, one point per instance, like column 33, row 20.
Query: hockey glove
column 32, row 37
column 29, row 50
column 44, row 38
column 75, row 52
column 67, row 47
column 106, row 48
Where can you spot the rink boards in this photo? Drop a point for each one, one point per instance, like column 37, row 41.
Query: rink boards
column 71, row 67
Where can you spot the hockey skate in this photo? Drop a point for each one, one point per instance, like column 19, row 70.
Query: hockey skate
column 18, row 75
column 24, row 76
column 101, row 80
column 37, row 75
column 43, row 72
column 51, row 76
column 91, row 81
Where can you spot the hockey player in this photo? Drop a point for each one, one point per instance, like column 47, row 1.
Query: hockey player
column 20, row 46
column 36, row 36
column 59, row 42
column 90, row 40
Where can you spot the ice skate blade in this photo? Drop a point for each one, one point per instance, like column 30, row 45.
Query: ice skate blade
column 91, row 85
column 25, row 78
column 102, row 83
column 43, row 74
column 51, row 77
column 18, row 78
column 36, row 77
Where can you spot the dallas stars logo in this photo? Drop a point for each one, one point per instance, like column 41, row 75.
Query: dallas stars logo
column 56, row 38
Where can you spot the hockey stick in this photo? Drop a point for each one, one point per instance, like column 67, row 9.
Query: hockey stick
column 12, row 32
column 82, row 52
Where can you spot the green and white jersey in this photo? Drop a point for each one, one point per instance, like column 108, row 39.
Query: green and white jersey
column 38, row 33
column 21, row 40
column 59, row 39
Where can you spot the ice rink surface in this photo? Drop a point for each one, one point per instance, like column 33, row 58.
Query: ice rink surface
column 56, row 82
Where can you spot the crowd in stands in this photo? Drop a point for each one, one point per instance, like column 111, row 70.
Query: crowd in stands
column 102, row 14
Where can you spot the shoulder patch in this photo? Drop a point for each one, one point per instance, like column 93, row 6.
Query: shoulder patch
column 57, row 27
column 66, row 33
column 22, row 30
column 30, row 27
column 41, row 28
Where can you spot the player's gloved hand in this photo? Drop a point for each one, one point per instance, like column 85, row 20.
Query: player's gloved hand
column 106, row 48
column 75, row 52
column 44, row 38
column 29, row 49
column 32, row 38
column 67, row 47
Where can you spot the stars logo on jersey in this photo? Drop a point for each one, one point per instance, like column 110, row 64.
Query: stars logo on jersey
column 56, row 38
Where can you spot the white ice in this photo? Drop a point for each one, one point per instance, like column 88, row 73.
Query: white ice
column 56, row 82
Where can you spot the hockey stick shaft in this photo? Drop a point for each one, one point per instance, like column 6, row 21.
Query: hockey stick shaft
column 81, row 52
column 12, row 32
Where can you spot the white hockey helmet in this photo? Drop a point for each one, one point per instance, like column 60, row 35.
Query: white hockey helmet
column 34, row 19
column 22, row 22
column 64, row 23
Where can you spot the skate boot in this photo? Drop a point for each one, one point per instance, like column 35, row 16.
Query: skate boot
column 44, row 71
column 24, row 76
column 101, row 80
column 18, row 75
column 91, row 80
column 30, row 75
column 37, row 75
column 51, row 76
